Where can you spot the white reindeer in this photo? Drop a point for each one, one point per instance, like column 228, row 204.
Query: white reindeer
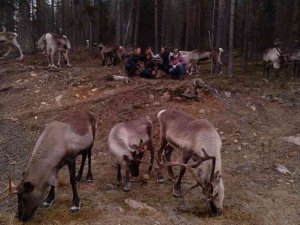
column 10, row 39
column 276, row 58
column 54, row 43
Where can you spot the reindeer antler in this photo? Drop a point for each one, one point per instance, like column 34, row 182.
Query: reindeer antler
column 10, row 190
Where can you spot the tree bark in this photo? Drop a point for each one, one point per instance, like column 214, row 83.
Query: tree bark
column 156, row 26
column 25, row 27
column 187, row 28
column 221, row 24
column 137, row 22
column 246, row 35
column 118, row 23
column 230, row 40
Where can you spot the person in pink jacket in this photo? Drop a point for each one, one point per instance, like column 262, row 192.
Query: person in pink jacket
column 178, row 65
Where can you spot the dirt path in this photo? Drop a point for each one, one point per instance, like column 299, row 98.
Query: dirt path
column 252, row 117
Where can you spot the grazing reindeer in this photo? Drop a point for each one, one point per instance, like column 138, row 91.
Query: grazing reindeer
column 122, row 141
column 110, row 54
column 54, row 43
column 199, row 140
column 58, row 145
column 10, row 39
column 195, row 56
column 276, row 57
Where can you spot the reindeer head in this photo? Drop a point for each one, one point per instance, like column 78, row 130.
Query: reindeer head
column 214, row 193
column 30, row 197
column 133, row 162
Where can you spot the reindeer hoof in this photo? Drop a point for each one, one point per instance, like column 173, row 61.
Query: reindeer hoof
column 47, row 204
column 176, row 193
column 127, row 188
column 69, row 65
column 74, row 209
column 160, row 179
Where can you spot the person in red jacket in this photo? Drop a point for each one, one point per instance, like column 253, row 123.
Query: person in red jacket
column 178, row 65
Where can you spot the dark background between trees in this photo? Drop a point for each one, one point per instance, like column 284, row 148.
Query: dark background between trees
column 175, row 23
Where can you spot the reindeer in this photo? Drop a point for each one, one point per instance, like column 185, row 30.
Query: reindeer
column 58, row 145
column 195, row 56
column 127, row 142
column 54, row 43
column 10, row 39
column 110, row 54
column 114, row 54
column 276, row 57
column 198, row 140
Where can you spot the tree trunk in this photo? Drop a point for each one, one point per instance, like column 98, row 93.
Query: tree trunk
column 118, row 23
column 128, row 24
column 230, row 41
column 156, row 26
column 24, row 27
column 246, row 35
column 221, row 24
column 187, row 27
column 137, row 22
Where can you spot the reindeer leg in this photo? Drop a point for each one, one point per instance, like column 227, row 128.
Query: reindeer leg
column 76, row 201
column 50, row 198
column 52, row 54
column 150, row 146
column 169, row 151
column 48, row 56
column 89, row 176
column 80, row 171
column 127, row 186
column 8, row 52
column 119, row 175
column 66, row 55
column 163, row 144
column 16, row 44
column 177, row 187
column 58, row 63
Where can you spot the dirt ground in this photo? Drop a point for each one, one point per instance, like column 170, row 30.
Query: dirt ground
column 252, row 115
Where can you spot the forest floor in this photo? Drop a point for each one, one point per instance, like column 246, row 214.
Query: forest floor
column 253, row 116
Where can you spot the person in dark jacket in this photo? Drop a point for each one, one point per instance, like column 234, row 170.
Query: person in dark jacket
column 164, row 55
column 178, row 65
column 150, row 66
column 132, row 65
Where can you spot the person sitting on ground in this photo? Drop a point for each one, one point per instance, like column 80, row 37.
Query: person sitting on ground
column 149, row 51
column 164, row 55
column 150, row 66
column 132, row 65
column 178, row 65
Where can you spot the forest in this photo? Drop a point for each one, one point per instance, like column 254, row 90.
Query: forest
column 99, row 99
column 186, row 25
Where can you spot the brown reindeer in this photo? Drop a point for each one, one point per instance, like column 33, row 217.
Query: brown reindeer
column 198, row 140
column 58, row 145
column 127, row 142
column 195, row 56
column 10, row 39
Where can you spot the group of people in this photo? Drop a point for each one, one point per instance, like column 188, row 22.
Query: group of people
column 171, row 63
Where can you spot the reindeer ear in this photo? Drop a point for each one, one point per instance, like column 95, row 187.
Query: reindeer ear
column 218, row 175
column 141, row 142
column 28, row 187
column 126, row 158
